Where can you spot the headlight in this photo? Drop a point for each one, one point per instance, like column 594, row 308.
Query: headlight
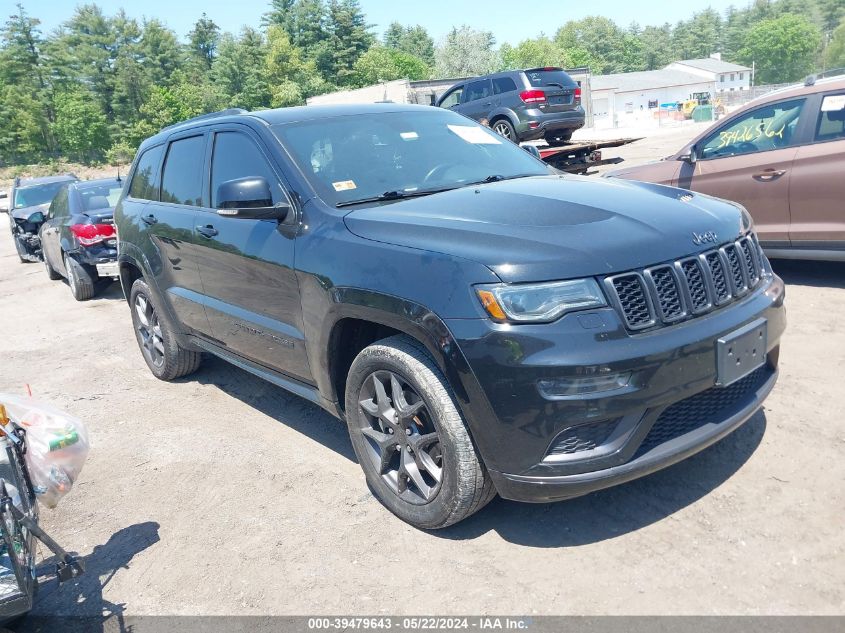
column 747, row 222
column 538, row 303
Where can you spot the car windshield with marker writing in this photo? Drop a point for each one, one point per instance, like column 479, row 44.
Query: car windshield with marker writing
column 372, row 158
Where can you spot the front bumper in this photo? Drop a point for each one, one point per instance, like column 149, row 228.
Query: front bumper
column 542, row 449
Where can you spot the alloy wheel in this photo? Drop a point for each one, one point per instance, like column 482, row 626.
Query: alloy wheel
column 402, row 442
column 502, row 129
column 149, row 329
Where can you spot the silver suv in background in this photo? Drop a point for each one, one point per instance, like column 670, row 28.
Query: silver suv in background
column 521, row 105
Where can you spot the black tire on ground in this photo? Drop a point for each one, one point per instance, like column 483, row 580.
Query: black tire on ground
column 464, row 486
column 559, row 138
column 166, row 359
column 80, row 279
column 503, row 127
column 51, row 274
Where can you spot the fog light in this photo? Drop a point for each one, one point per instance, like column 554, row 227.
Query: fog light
column 553, row 388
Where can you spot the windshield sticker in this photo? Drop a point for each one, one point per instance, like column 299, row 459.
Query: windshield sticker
column 833, row 103
column 749, row 133
column 409, row 136
column 475, row 135
column 344, row 185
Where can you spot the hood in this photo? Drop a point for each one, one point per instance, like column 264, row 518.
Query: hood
column 554, row 227
column 22, row 213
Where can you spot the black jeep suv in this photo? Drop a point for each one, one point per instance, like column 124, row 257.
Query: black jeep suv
column 521, row 105
column 482, row 323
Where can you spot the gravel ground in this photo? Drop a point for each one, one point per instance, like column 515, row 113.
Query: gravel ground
column 221, row 494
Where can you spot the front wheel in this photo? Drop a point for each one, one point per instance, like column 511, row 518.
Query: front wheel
column 410, row 438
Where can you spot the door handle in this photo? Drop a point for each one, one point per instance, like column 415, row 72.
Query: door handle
column 207, row 231
column 769, row 174
column 149, row 219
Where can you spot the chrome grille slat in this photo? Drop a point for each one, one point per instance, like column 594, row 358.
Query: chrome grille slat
column 673, row 291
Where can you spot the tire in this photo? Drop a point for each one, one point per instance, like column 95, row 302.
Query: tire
column 80, row 279
column 561, row 138
column 166, row 359
column 52, row 275
column 503, row 127
column 22, row 253
column 463, row 486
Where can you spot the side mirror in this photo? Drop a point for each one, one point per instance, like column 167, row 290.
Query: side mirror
column 249, row 198
column 691, row 157
column 36, row 218
column 532, row 149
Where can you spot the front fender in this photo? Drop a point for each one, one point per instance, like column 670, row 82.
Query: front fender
column 421, row 324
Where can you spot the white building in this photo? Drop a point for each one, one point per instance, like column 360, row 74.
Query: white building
column 728, row 77
column 627, row 98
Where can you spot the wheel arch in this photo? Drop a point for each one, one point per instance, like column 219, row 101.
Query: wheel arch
column 361, row 317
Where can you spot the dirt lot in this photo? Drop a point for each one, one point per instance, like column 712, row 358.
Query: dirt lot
column 221, row 494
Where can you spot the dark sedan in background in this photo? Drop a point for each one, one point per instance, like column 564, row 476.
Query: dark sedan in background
column 28, row 201
column 78, row 237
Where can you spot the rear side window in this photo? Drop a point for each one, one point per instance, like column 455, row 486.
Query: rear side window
column 181, row 182
column 145, row 181
column 831, row 123
column 236, row 156
column 555, row 78
column 503, row 84
column 477, row 90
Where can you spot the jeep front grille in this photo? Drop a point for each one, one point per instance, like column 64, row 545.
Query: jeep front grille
column 674, row 291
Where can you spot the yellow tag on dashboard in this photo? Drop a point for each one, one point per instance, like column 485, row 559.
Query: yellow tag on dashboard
column 344, row 185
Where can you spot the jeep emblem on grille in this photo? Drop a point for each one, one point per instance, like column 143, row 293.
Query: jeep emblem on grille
column 703, row 238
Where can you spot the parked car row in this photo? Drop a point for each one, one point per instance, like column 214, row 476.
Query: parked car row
column 482, row 323
column 68, row 224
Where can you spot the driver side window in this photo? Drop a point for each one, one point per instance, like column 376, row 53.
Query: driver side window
column 765, row 128
column 453, row 98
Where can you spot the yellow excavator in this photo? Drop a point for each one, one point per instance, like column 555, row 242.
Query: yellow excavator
column 699, row 99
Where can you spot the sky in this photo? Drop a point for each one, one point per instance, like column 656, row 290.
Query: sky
column 509, row 20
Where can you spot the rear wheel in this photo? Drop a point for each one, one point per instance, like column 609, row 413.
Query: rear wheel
column 51, row 274
column 503, row 127
column 79, row 278
column 559, row 138
column 166, row 359
column 410, row 438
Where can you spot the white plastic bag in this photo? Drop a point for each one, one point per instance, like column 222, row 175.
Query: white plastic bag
column 57, row 445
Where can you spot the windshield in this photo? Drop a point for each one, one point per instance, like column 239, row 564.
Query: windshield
column 355, row 157
column 99, row 197
column 37, row 194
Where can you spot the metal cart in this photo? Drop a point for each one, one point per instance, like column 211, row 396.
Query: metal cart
column 19, row 527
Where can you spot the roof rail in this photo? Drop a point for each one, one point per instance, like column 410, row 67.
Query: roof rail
column 210, row 115
column 832, row 72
